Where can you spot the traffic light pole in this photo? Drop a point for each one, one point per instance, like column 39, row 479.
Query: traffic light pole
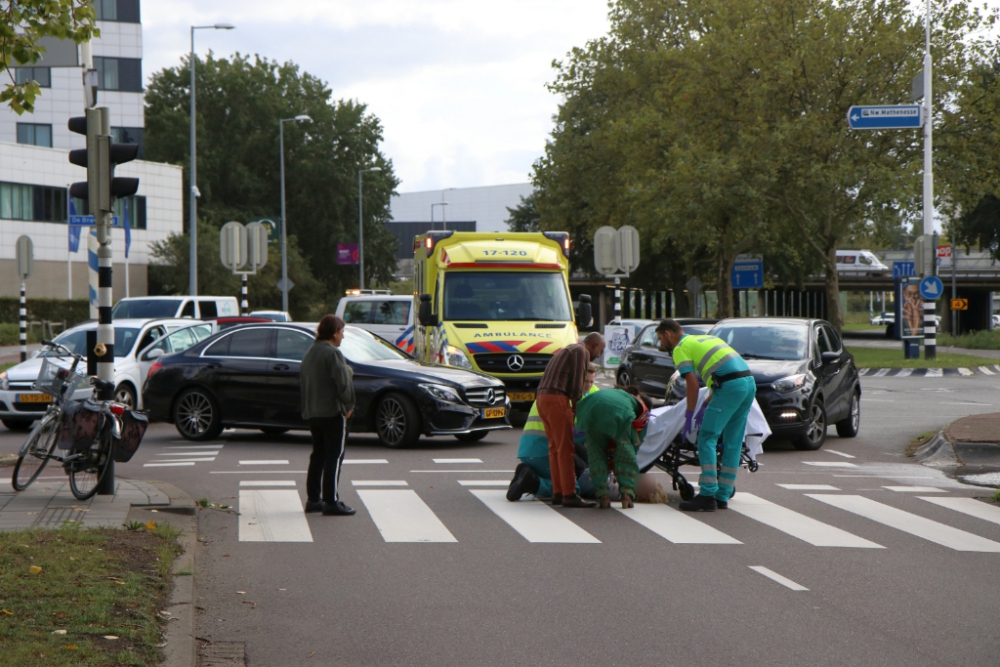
column 930, row 324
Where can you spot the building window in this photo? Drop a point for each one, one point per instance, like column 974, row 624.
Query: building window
column 33, row 203
column 136, row 211
column 128, row 135
column 123, row 74
column 123, row 11
column 34, row 134
column 106, row 10
column 43, row 75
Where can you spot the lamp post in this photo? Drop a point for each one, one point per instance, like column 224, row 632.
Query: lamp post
column 283, row 285
column 442, row 205
column 193, row 192
column 361, row 231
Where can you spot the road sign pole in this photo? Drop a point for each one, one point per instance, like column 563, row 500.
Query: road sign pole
column 618, row 300
column 244, row 306
column 954, row 261
column 22, row 315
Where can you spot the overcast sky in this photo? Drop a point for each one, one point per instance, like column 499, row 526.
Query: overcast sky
column 459, row 85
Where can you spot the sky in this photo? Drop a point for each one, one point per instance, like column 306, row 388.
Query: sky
column 459, row 85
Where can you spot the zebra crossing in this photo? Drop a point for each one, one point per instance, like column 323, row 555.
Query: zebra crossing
column 991, row 369
column 173, row 456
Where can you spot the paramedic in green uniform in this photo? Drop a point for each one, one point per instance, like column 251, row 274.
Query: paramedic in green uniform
column 727, row 375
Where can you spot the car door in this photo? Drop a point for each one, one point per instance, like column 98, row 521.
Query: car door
column 839, row 377
column 656, row 365
column 826, row 373
column 284, row 386
column 235, row 368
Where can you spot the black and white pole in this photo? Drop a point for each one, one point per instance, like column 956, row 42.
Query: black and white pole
column 930, row 325
column 105, row 349
column 22, row 315
column 244, row 305
column 618, row 300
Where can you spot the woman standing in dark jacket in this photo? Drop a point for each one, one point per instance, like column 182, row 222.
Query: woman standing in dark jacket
column 327, row 404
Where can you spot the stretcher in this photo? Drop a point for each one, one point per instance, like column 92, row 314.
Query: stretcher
column 664, row 448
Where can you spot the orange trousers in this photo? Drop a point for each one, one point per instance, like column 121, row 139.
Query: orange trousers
column 557, row 417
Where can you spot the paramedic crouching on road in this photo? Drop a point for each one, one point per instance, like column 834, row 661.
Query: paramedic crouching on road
column 733, row 390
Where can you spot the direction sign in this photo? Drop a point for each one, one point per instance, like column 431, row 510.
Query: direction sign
column 694, row 285
column 747, row 275
column 931, row 288
column 959, row 304
column 886, row 117
column 233, row 245
column 903, row 269
column 628, row 249
column 616, row 250
column 25, row 256
column 89, row 221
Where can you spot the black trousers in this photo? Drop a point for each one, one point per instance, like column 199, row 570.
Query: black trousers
column 328, row 436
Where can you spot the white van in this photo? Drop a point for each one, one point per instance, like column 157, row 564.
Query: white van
column 195, row 307
column 860, row 262
column 388, row 316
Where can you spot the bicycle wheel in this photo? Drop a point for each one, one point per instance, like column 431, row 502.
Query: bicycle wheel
column 36, row 453
column 87, row 471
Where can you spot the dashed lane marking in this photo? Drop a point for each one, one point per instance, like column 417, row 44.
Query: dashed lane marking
column 774, row 576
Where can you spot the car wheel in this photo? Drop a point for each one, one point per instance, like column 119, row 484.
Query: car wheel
column 18, row 424
column 274, row 430
column 197, row 416
column 815, row 434
column 125, row 394
column 623, row 379
column 850, row 425
column 475, row 436
column 397, row 421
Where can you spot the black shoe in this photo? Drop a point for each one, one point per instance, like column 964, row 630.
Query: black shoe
column 722, row 504
column 699, row 503
column 577, row 501
column 525, row 481
column 337, row 509
column 313, row 506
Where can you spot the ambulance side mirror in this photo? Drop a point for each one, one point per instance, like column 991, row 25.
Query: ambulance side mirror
column 424, row 314
column 584, row 312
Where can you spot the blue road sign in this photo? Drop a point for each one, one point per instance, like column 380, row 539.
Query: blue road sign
column 89, row 221
column 889, row 117
column 903, row 269
column 747, row 275
column 931, row 288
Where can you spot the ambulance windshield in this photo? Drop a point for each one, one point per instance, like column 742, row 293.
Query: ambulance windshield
column 506, row 296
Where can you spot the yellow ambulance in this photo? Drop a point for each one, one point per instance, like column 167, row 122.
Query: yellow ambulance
column 495, row 302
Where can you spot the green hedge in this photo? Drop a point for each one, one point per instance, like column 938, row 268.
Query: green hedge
column 10, row 334
column 71, row 311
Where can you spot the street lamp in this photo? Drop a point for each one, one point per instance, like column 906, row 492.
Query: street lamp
column 442, row 205
column 361, row 231
column 193, row 193
column 283, row 285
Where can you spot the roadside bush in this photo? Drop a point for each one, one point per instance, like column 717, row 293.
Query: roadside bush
column 9, row 334
column 71, row 311
column 976, row 340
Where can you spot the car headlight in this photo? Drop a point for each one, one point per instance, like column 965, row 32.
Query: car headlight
column 454, row 356
column 792, row 382
column 442, row 393
column 4, row 384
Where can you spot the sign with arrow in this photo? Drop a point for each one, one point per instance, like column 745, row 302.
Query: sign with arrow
column 886, row 117
column 931, row 288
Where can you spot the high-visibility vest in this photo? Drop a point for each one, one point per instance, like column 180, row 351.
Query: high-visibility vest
column 704, row 355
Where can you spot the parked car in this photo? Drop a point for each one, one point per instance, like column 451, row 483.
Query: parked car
column 248, row 377
column 20, row 405
column 645, row 366
column 806, row 379
column 196, row 307
column 388, row 316
column 272, row 315
column 182, row 339
column 882, row 319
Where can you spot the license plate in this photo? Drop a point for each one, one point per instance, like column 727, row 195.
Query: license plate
column 521, row 395
column 493, row 413
column 33, row 398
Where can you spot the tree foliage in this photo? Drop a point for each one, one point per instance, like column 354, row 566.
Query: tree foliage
column 22, row 24
column 240, row 103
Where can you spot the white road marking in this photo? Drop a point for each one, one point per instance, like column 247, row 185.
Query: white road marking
column 186, row 453
column 168, row 465
column 863, row 371
column 535, row 521
column 257, row 472
column 402, row 516
column 378, row 482
column 457, row 460
column 187, row 460
column 676, row 526
column 276, row 482
column 986, row 371
column 808, row 487
column 484, row 482
column 916, row 489
column 830, row 464
column 904, row 373
column 264, row 463
column 834, row 451
column 882, row 372
column 969, row 506
column 934, row 373
column 454, row 471
column 272, row 516
column 348, row 462
column 774, row 576
column 797, row 525
column 939, row 533
column 194, row 447
column 965, row 371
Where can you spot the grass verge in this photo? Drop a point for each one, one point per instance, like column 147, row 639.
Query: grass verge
column 10, row 334
column 84, row 597
column 976, row 340
column 873, row 357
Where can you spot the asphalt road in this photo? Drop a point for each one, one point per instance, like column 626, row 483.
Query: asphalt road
column 481, row 589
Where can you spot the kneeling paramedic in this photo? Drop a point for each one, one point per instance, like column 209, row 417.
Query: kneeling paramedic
column 727, row 375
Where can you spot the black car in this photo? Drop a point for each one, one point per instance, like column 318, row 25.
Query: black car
column 248, row 377
column 806, row 379
column 645, row 366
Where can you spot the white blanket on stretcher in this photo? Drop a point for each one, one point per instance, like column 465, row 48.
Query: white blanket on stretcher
column 665, row 423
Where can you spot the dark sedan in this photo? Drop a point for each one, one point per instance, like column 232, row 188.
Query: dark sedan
column 248, row 377
column 645, row 366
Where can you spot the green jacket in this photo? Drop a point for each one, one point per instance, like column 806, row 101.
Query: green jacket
column 327, row 382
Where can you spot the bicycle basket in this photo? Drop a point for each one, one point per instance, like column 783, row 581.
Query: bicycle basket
column 134, row 426
column 81, row 425
column 53, row 379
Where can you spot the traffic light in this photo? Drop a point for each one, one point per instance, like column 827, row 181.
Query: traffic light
column 99, row 159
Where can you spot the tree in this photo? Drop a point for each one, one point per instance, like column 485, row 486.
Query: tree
column 27, row 21
column 524, row 218
column 240, row 104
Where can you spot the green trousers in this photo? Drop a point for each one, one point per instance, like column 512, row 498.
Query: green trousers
column 626, row 467
column 725, row 417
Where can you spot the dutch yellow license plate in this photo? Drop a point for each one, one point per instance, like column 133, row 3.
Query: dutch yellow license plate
column 521, row 395
column 494, row 413
column 33, row 398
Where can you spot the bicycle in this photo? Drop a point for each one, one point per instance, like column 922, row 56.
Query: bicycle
column 90, row 436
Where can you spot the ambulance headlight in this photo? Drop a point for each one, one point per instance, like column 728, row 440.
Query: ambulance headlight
column 454, row 356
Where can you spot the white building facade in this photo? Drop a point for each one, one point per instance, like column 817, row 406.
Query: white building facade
column 486, row 206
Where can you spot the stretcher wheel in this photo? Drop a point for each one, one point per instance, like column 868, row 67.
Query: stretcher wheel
column 686, row 491
column 752, row 466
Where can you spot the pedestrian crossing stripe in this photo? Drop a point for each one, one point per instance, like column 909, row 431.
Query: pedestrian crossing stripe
column 536, row 522
column 992, row 369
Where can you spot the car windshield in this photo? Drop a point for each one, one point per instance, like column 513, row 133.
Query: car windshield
column 766, row 341
column 182, row 339
column 145, row 309
column 508, row 295
column 77, row 342
column 363, row 348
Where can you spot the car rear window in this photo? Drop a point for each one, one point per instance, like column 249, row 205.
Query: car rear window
column 145, row 309
column 292, row 345
column 246, row 343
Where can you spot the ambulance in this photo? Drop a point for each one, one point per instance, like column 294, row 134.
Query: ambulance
column 495, row 302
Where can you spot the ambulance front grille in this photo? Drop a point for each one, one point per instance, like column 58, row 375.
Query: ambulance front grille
column 500, row 363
